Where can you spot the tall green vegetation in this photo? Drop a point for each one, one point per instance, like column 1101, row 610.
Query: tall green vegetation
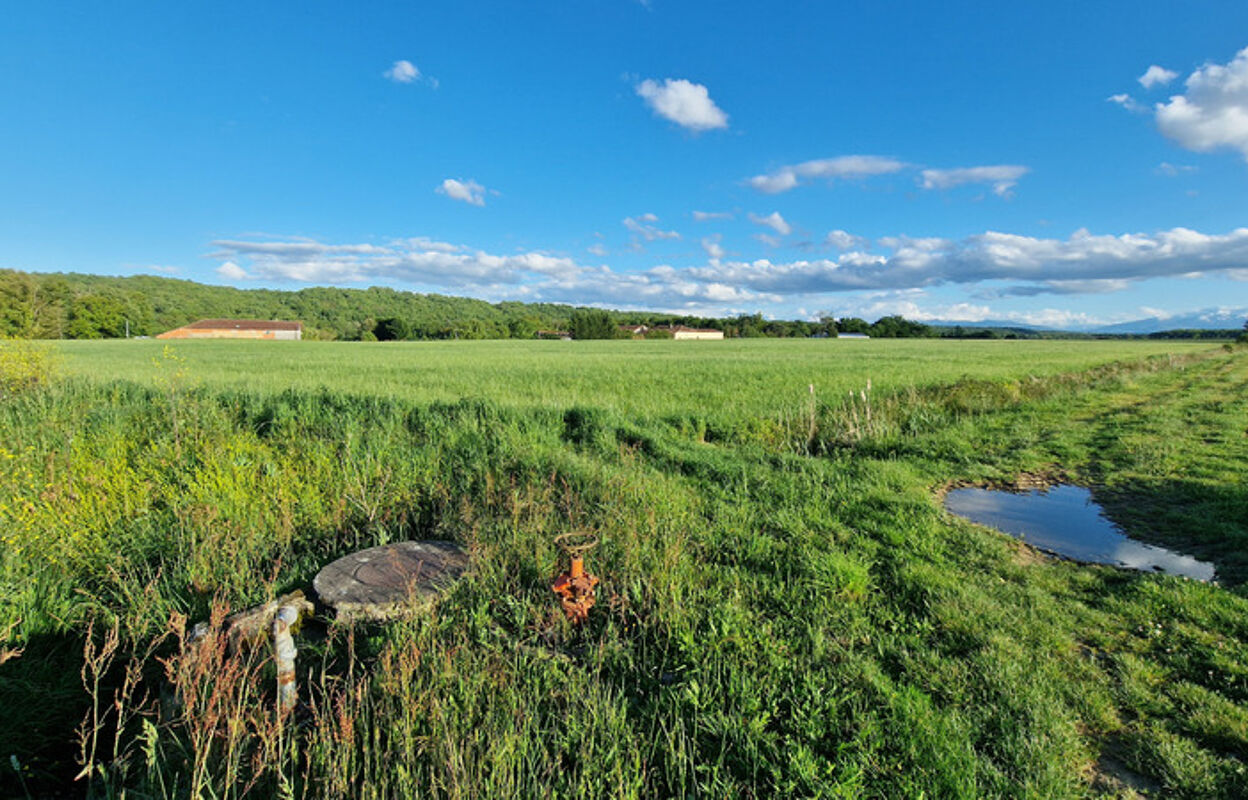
column 588, row 323
column 785, row 609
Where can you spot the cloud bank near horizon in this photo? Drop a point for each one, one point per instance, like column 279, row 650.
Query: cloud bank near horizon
column 1081, row 264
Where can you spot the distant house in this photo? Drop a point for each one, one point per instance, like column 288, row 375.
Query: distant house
column 237, row 329
column 561, row 335
column 634, row 330
column 682, row 332
column 852, row 336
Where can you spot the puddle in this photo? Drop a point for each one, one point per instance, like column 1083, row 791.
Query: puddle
column 1067, row 521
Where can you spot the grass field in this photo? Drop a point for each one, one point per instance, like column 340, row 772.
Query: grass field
column 744, row 377
column 785, row 607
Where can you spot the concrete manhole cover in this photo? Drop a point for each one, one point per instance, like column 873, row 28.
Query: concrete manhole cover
column 391, row 580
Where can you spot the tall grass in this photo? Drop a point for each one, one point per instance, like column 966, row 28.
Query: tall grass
column 785, row 608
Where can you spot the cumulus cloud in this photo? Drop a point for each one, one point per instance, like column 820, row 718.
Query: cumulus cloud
column 686, row 103
column 468, row 191
column 405, row 71
column 644, row 227
column 707, row 216
column 790, row 176
column 1126, row 101
column 926, row 262
column 597, row 249
column 908, row 305
column 525, row 276
column 415, row 260
column 774, row 221
column 1156, row 76
column 1081, row 264
column 842, row 240
column 1003, row 177
column 1213, row 111
column 232, row 272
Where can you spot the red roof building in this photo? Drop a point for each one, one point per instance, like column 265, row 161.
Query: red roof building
column 237, row 329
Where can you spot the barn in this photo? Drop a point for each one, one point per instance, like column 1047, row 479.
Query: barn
column 683, row 332
column 237, row 329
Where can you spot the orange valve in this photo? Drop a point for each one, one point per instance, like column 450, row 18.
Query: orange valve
column 576, row 586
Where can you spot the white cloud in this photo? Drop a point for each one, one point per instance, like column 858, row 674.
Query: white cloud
column 597, row 249
column 769, row 240
column 842, row 240
column 904, row 304
column 683, row 102
column 1064, row 287
column 528, row 275
column 403, row 72
column 1081, row 264
column 1156, row 76
column 1003, row 177
column 425, row 243
column 644, row 227
column 416, row 260
column 1174, row 170
column 707, row 216
column 712, row 247
column 1213, row 112
column 1126, row 101
column 774, row 221
column 468, row 191
column 406, row 72
column 917, row 263
column 232, row 272
column 788, row 177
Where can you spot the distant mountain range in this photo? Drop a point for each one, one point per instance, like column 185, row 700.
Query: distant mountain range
column 1205, row 319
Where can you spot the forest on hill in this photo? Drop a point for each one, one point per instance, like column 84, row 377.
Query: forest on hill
column 79, row 306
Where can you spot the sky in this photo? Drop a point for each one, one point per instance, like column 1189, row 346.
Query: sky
column 1060, row 164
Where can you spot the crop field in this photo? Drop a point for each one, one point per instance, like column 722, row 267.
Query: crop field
column 730, row 379
column 785, row 608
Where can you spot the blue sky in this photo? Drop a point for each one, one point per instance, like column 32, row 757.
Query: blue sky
column 1059, row 163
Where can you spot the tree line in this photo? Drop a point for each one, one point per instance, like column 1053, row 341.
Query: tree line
column 78, row 306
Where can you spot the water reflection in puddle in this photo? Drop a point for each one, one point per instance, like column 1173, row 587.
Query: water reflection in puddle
column 1066, row 520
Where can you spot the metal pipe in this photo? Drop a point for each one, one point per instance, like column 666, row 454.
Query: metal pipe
column 284, row 654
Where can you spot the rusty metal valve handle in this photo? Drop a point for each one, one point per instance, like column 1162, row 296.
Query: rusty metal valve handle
column 576, row 586
column 568, row 543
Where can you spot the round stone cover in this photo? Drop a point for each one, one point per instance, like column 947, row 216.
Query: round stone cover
column 387, row 581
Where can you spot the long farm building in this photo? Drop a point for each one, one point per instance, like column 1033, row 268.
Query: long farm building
column 237, row 329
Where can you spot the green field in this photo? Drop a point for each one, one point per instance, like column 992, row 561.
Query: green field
column 785, row 607
column 744, row 377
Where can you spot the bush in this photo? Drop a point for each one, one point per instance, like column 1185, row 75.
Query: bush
column 23, row 366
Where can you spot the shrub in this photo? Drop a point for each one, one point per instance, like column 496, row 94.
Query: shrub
column 23, row 366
